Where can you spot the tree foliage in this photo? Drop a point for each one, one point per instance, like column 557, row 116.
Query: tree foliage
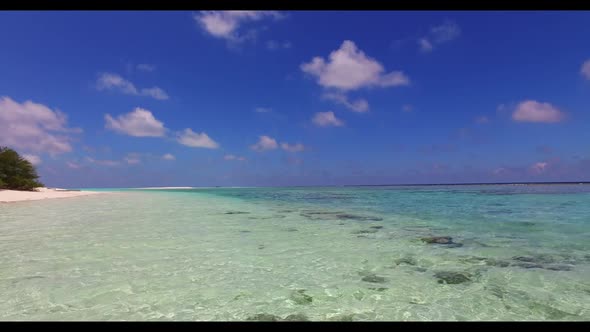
column 17, row 173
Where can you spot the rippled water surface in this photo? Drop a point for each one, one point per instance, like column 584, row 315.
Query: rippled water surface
column 504, row 252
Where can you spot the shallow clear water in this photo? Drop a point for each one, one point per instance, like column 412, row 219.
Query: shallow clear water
column 517, row 253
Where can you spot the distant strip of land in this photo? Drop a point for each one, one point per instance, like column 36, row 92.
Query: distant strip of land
column 166, row 188
column 469, row 184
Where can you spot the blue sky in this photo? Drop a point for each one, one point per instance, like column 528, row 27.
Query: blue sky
column 173, row 98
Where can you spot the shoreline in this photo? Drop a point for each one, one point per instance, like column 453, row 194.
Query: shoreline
column 12, row 196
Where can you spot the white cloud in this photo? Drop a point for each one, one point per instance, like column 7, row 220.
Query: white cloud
column 155, row 93
column 407, row 108
column 132, row 158
column 538, row 168
column 534, row 111
column 132, row 161
column 168, row 156
column 232, row 157
column 292, row 148
column 110, row 81
column 139, row 123
column 263, row 110
column 33, row 159
column 585, row 69
column 348, row 68
column 359, row 105
column 146, row 67
column 34, row 127
column 425, row 45
column 499, row 171
column 109, row 163
column 72, row 165
column 327, row 119
column 196, row 140
column 440, row 34
column 225, row 24
column 264, row 143
column 276, row 45
column 445, row 32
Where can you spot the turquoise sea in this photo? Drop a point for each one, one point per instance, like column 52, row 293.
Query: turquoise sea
column 503, row 252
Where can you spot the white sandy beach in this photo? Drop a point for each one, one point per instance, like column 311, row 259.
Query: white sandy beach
column 8, row 196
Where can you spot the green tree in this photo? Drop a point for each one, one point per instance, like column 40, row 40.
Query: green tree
column 17, row 173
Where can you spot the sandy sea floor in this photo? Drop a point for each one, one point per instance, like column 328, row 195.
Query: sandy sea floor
column 315, row 254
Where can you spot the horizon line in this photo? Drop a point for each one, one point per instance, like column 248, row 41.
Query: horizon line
column 362, row 185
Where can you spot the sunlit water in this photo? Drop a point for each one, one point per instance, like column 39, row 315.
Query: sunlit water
column 352, row 253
